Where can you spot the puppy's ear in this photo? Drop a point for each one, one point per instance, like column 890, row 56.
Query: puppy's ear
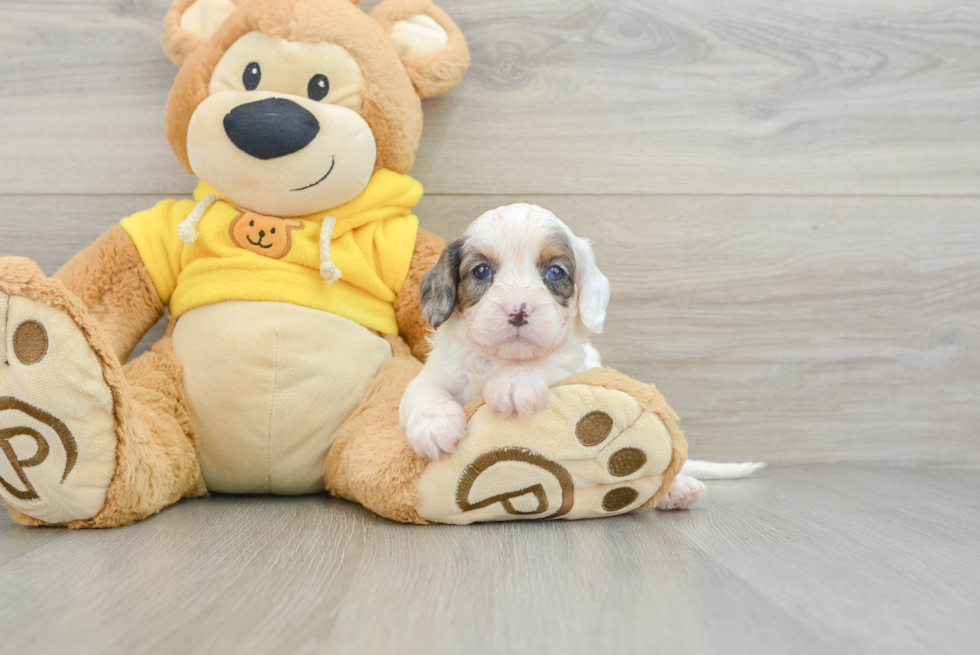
column 189, row 23
column 593, row 286
column 430, row 45
column 439, row 285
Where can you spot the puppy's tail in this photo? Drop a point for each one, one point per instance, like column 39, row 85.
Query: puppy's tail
column 715, row 471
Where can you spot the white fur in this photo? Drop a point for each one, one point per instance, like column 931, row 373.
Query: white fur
column 716, row 471
column 478, row 352
column 685, row 492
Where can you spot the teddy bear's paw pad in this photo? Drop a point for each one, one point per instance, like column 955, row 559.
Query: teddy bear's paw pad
column 590, row 452
column 57, row 432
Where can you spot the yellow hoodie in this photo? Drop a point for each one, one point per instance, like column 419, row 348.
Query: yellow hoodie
column 232, row 254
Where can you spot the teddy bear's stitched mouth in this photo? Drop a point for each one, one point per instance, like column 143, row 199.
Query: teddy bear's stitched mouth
column 310, row 186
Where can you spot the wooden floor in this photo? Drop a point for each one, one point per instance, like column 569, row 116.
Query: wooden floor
column 816, row 559
column 786, row 198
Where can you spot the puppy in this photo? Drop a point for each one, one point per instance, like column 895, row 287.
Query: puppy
column 514, row 302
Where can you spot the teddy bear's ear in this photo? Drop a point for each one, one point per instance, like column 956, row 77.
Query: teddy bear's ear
column 189, row 23
column 431, row 47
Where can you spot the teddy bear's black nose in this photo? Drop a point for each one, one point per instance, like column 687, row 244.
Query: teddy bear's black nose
column 270, row 128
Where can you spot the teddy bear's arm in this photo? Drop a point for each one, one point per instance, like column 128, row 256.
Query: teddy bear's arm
column 111, row 280
column 408, row 306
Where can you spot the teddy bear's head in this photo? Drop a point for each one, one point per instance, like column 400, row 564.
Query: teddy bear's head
column 288, row 107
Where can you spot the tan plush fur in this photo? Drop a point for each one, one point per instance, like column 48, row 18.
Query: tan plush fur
column 111, row 281
column 178, row 44
column 157, row 458
column 408, row 305
column 391, row 104
column 371, row 462
column 434, row 73
column 156, row 450
column 398, row 346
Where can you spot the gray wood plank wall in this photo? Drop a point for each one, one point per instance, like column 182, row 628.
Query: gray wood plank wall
column 784, row 195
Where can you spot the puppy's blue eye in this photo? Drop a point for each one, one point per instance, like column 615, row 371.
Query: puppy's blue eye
column 555, row 273
column 482, row 272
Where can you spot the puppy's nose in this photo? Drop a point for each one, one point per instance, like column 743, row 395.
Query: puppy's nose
column 270, row 128
column 519, row 314
column 261, row 233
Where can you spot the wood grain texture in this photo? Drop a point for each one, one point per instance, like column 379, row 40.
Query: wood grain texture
column 783, row 320
column 802, row 560
column 785, row 329
column 564, row 96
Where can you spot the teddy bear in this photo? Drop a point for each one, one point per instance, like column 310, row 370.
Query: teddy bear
column 292, row 282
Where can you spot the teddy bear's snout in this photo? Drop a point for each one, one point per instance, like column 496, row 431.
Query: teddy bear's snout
column 270, row 128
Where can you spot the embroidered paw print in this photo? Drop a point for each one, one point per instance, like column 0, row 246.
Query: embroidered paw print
column 592, row 430
column 592, row 451
column 268, row 236
column 57, row 441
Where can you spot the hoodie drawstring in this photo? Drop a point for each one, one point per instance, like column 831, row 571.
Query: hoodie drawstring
column 328, row 269
column 187, row 230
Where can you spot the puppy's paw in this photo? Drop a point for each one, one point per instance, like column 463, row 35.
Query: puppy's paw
column 522, row 392
column 685, row 492
column 499, row 396
column 530, row 395
column 436, row 430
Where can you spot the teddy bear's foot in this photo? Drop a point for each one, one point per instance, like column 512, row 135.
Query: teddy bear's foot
column 57, row 430
column 603, row 444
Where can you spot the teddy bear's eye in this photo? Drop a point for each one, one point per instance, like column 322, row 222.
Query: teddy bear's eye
column 318, row 88
column 273, row 230
column 251, row 223
column 252, row 76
